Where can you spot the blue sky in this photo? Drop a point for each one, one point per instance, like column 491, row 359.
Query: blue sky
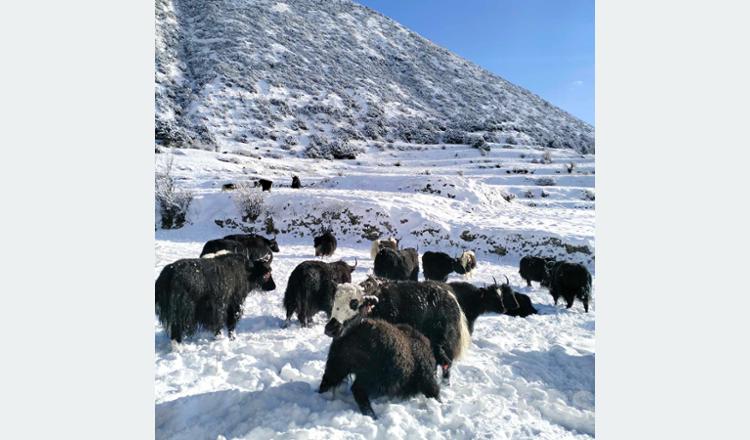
column 546, row 46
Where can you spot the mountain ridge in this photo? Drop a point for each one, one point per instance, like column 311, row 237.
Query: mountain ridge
column 303, row 75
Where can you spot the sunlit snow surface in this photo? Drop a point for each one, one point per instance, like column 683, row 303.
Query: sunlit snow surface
column 522, row 377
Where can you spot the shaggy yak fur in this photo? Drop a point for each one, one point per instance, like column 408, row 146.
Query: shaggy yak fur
column 429, row 307
column 533, row 268
column 296, row 184
column 387, row 360
column 397, row 265
column 207, row 293
column 253, row 240
column 569, row 280
column 311, row 288
column 380, row 244
column 325, row 245
column 438, row 265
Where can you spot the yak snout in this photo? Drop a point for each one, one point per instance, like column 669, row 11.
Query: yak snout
column 333, row 328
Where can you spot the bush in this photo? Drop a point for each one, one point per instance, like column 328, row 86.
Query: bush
column 250, row 201
column 323, row 148
column 546, row 157
column 454, row 137
column 173, row 202
column 545, row 181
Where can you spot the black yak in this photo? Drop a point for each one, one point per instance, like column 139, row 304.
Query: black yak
column 265, row 184
column 533, row 268
column 296, row 184
column 429, row 307
column 387, row 359
column 379, row 244
column 207, row 293
column 571, row 281
column 228, row 187
column 311, row 288
column 253, row 240
column 325, row 244
column 438, row 265
column 397, row 265
column 253, row 252
column 476, row 301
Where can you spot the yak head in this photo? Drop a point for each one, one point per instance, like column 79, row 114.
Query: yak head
column 273, row 244
column 343, row 272
column 464, row 263
column 503, row 298
column 350, row 305
column 549, row 267
column 259, row 272
column 371, row 285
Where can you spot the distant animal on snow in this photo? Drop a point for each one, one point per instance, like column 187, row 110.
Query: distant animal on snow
column 379, row 244
column 312, row 287
column 397, row 264
column 386, row 359
column 265, row 184
column 207, row 293
column 533, row 268
column 325, row 244
column 438, row 265
column 228, row 187
column 569, row 280
column 296, row 184
column 254, row 240
column 430, row 307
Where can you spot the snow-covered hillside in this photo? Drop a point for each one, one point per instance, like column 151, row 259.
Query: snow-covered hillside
column 522, row 378
column 300, row 75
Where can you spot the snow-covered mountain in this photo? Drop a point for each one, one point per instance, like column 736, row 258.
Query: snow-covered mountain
column 302, row 75
column 448, row 158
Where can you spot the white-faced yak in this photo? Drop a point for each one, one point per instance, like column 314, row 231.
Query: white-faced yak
column 438, row 265
column 429, row 307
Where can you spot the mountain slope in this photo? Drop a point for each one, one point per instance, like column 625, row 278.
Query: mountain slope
column 301, row 75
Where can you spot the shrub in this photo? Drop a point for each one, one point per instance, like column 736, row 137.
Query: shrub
column 173, row 202
column 570, row 167
column 546, row 157
column 588, row 195
column 250, row 201
column 545, row 181
column 324, row 148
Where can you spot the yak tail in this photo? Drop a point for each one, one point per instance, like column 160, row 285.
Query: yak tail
column 174, row 307
column 374, row 249
column 464, row 336
column 464, row 339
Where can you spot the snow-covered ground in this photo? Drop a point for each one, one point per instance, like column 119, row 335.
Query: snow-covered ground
column 522, row 378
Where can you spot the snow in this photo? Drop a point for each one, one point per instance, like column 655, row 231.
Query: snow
column 521, row 378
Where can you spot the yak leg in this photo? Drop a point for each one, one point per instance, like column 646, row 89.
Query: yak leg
column 233, row 316
column 528, row 282
column 363, row 401
column 569, row 302
column 175, row 333
column 586, row 305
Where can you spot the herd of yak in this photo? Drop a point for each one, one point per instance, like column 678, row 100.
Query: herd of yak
column 391, row 331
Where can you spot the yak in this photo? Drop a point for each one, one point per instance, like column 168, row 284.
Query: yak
column 296, row 184
column 430, row 307
column 311, row 288
column 265, row 184
column 397, row 265
column 380, row 244
column 438, row 265
column 476, row 301
column 387, row 359
column 325, row 244
column 569, row 280
column 207, row 293
column 533, row 268
column 253, row 240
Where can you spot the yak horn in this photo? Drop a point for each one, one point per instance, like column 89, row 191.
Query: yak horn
column 355, row 263
column 493, row 279
column 507, row 281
